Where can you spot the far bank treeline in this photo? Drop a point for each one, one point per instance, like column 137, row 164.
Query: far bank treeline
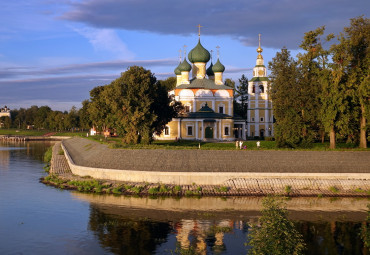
column 323, row 92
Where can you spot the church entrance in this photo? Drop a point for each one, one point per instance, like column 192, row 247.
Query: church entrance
column 209, row 132
column 262, row 133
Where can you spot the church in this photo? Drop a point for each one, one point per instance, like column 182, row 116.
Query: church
column 208, row 103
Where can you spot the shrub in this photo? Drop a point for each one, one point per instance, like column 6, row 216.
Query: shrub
column 334, row 189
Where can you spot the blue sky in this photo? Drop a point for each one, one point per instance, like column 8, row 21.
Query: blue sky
column 53, row 52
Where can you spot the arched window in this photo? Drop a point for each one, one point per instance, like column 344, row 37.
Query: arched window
column 253, row 89
column 262, row 89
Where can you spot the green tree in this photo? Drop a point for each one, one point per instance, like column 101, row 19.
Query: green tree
column 241, row 95
column 355, row 40
column 135, row 104
column 275, row 234
column 83, row 114
column 169, row 83
column 236, row 105
column 287, row 102
column 41, row 116
column 311, row 63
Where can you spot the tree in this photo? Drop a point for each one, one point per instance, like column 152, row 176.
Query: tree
column 40, row 117
column 355, row 40
column 241, row 94
column 287, row 102
column 84, row 117
column 311, row 63
column 276, row 234
column 169, row 84
column 135, row 104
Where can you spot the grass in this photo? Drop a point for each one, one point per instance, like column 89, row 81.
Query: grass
column 334, row 189
column 288, row 189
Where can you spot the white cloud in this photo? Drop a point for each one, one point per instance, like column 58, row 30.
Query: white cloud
column 106, row 40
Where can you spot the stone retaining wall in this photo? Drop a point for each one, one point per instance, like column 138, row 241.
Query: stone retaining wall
column 242, row 183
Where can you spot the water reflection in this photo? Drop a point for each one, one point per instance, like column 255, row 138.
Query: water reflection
column 34, row 150
column 133, row 225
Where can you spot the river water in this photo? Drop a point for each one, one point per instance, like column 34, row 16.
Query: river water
column 38, row 219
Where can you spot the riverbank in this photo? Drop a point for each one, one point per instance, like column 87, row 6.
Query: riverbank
column 267, row 183
column 22, row 138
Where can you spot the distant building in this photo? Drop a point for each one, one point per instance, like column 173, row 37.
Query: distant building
column 5, row 112
column 208, row 102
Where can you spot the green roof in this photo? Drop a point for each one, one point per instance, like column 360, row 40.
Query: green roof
column 177, row 70
column 260, row 79
column 199, row 54
column 184, row 66
column 209, row 70
column 260, row 66
column 218, row 67
column 205, row 113
column 202, row 84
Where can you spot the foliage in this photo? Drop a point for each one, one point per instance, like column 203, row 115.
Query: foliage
column 48, row 154
column 276, row 234
column 135, row 105
column 241, row 97
column 286, row 100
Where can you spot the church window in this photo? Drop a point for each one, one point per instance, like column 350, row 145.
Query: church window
column 187, row 108
column 253, row 89
column 190, row 130
column 166, row 131
column 262, row 119
column 221, row 109
column 227, row 131
column 262, row 89
column 252, row 119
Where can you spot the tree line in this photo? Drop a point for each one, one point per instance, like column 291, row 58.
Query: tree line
column 325, row 89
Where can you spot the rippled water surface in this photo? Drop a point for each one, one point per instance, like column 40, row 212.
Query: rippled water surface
column 38, row 219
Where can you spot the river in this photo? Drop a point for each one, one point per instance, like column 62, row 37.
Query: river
column 39, row 219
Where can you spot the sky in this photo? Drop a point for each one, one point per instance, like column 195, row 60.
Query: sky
column 53, row 52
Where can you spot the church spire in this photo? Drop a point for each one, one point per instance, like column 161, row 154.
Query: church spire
column 259, row 61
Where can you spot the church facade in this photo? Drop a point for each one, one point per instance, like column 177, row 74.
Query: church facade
column 208, row 103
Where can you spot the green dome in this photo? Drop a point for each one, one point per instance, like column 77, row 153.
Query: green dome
column 199, row 54
column 184, row 66
column 218, row 67
column 209, row 70
column 177, row 70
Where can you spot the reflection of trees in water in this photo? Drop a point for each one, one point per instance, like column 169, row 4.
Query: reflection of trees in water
column 126, row 236
column 365, row 230
column 332, row 237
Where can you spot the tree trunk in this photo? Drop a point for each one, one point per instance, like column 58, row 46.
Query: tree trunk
column 332, row 138
column 363, row 142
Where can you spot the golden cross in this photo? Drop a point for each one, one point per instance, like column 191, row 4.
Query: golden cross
column 259, row 40
column 218, row 51
column 185, row 51
column 180, row 54
column 211, row 54
column 199, row 26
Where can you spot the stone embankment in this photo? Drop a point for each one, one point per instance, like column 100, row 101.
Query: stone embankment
column 83, row 157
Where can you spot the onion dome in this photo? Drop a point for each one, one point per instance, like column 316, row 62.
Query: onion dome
column 199, row 54
column 184, row 66
column 218, row 67
column 209, row 70
column 177, row 70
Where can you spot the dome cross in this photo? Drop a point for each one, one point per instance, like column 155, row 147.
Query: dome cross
column 199, row 26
